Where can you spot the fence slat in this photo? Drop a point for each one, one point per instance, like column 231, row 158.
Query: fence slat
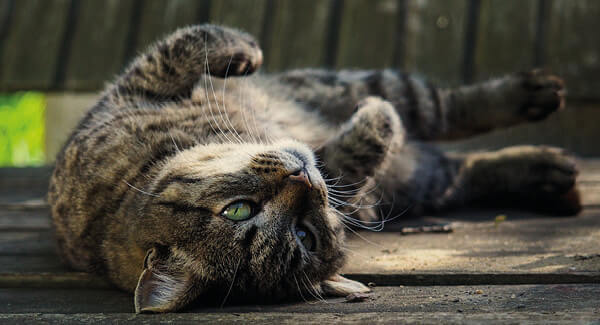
column 573, row 46
column 506, row 37
column 245, row 15
column 33, row 39
column 162, row 17
column 367, row 34
column 99, row 43
column 434, row 39
column 298, row 35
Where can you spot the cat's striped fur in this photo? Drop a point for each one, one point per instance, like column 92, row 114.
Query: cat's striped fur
column 138, row 190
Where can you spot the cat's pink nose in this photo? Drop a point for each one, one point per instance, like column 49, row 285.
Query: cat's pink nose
column 301, row 176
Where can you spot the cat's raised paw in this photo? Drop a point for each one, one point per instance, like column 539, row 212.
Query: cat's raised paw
column 544, row 94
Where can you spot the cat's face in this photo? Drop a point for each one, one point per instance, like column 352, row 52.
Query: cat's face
column 256, row 213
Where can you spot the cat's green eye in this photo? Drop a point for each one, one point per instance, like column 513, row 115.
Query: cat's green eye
column 238, row 211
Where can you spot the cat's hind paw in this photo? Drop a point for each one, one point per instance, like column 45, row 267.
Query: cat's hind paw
column 544, row 178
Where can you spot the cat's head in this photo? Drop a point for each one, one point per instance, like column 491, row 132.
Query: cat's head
column 240, row 222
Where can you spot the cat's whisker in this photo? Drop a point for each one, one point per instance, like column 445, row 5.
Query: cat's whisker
column 214, row 94
column 310, row 289
column 366, row 257
column 300, row 290
column 218, row 134
column 353, row 191
column 340, row 202
column 232, row 282
column 267, row 136
column 337, row 199
column 362, row 237
column 355, row 184
column 207, row 66
column 376, row 225
column 335, row 179
column 232, row 127
column 314, row 289
column 139, row 190
column 243, row 111
column 253, row 114
column 174, row 143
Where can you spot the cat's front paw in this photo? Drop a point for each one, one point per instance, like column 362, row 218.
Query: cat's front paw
column 377, row 123
column 542, row 93
column 229, row 52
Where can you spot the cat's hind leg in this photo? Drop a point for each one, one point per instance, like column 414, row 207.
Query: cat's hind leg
column 541, row 179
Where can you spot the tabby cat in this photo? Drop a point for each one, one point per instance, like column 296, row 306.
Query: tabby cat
column 183, row 183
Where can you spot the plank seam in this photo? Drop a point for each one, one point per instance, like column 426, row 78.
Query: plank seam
column 333, row 33
column 539, row 46
column 470, row 42
column 64, row 52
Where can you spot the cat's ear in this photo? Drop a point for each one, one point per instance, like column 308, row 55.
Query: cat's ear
column 163, row 286
column 339, row 286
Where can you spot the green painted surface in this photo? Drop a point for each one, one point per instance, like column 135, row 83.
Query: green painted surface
column 22, row 129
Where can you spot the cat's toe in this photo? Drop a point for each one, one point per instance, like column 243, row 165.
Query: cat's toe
column 544, row 94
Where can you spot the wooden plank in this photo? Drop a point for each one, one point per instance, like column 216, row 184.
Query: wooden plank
column 458, row 316
column 26, row 243
column 434, row 40
column 23, row 184
column 161, row 17
column 99, row 43
column 298, row 36
column 525, row 242
column 49, row 280
column 367, row 34
column 24, row 217
column 572, row 46
column 22, row 266
column 506, row 37
column 31, row 48
column 246, row 15
column 470, row 299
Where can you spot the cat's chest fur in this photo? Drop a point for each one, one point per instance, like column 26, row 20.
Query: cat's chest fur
column 256, row 110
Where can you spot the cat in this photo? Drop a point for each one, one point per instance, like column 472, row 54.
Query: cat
column 192, row 179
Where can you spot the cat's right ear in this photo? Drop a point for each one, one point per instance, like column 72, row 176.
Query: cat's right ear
column 163, row 286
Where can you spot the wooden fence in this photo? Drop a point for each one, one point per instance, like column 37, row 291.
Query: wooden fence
column 76, row 45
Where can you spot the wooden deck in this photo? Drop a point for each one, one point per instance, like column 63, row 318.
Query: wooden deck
column 528, row 268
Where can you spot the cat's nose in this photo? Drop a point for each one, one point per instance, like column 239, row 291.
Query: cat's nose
column 301, row 175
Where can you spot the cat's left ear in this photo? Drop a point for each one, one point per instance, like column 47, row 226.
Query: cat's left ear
column 339, row 286
column 163, row 286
